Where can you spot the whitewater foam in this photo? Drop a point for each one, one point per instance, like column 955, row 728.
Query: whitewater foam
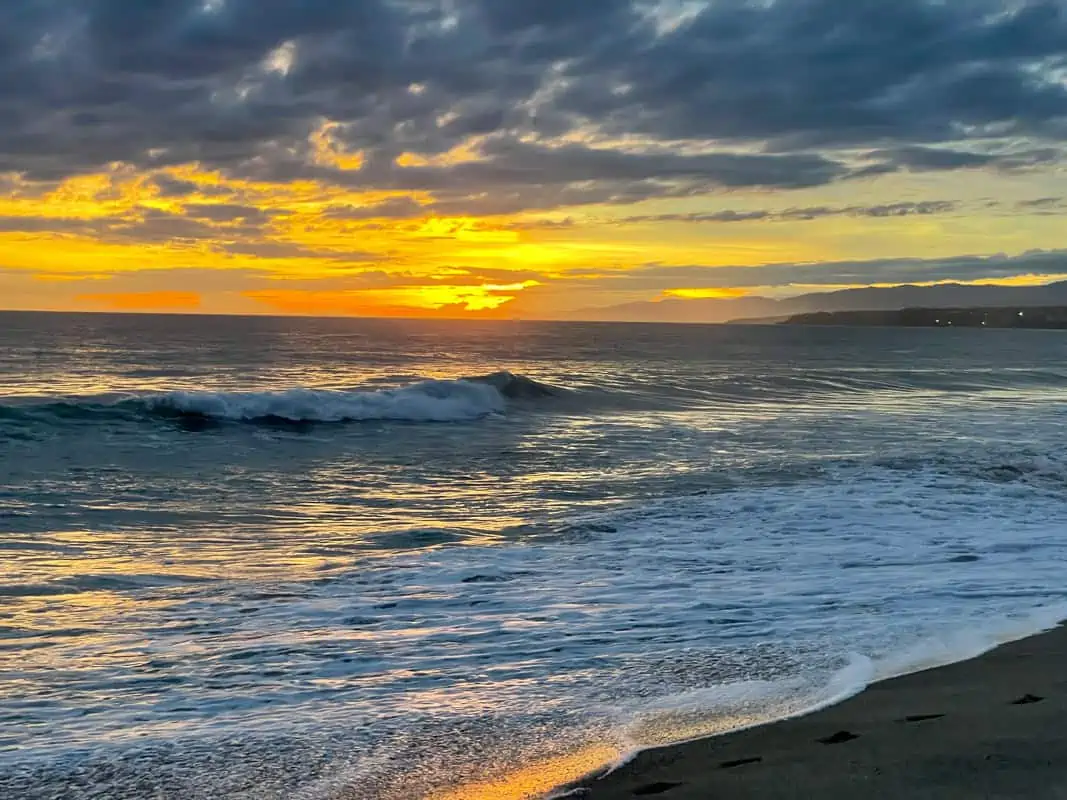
column 967, row 643
column 731, row 707
column 428, row 401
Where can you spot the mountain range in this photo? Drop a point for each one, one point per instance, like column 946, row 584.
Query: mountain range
column 766, row 309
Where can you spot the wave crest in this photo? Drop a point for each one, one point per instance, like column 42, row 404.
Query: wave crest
column 428, row 401
column 460, row 400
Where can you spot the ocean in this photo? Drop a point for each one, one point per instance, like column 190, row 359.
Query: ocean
column 331, row 559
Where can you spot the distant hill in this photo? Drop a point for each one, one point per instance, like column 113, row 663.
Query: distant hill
column 776, row 320
column 1043, row 317
column 766, row 310
column 947, row 295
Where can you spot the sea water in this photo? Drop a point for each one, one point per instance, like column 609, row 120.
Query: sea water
column 292, row 558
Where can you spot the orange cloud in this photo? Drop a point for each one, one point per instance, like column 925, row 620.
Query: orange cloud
column 329, row 152
column 144, row 301
column 465, row 229
column 464, row 153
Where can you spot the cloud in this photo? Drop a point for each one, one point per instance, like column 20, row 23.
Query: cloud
column 141, row 224
column 903, row 209
column 560, row 102
column 1043, row 202
column 288, row 250
column 507, row 175
column 40, row 224
column 929, row 159
column 513, row 162
column 1044, row 206
column 229, row 212
column 393, row 208
column 657, row 278
column 170, row 187
column 818, row 73
column 225, row 228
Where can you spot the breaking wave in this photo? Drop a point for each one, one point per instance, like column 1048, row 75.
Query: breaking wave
column 429, row 401
column 473, row 398
column 461, row 400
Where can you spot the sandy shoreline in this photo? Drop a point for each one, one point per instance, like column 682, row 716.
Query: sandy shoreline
column 991, row 727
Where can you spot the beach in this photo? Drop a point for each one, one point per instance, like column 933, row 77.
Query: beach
column 991, row 727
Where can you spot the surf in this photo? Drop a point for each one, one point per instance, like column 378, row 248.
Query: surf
column 458, row 400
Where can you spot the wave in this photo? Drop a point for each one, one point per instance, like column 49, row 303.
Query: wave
column 461, row 400
column 843, row 384
column 472, row 398
column 429, row 401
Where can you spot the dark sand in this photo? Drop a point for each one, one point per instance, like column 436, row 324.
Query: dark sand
column 992, row 727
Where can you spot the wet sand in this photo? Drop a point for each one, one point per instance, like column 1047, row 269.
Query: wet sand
column 992, row 727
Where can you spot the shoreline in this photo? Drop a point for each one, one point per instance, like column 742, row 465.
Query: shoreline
column 987, row 726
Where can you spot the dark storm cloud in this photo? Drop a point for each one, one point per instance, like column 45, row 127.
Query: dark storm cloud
column 796, row 87
column 837, row 72
column 516, row 176
column 515, row 161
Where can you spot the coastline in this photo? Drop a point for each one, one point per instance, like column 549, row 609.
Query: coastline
column 990, row 726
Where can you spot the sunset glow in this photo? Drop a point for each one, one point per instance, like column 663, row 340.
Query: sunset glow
column 466, row 185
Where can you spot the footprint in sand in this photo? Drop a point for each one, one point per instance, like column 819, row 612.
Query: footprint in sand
column 1027, row 699
column 921, row 717
column 839, row 738
column 656, row 788
column 740, row 762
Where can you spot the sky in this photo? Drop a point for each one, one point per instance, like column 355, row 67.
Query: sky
column 553, row 159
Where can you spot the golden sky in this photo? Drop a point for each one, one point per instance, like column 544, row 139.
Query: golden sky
column 440, row 178
column 114, row 241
